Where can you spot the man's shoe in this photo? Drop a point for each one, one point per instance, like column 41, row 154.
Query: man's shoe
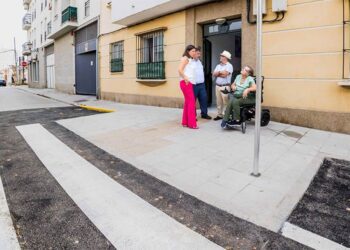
column 223, row 124
column 217, row 118
column 206, row 117
column 236, row 122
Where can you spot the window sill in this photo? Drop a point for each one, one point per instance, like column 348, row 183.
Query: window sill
column 151, row 82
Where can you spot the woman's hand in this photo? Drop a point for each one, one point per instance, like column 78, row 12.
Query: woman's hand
column 187, row 81
column 245, row 93
column 233, row 87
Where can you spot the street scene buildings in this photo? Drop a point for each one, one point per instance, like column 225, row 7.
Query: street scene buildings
column 104, row 145
column 127, row 72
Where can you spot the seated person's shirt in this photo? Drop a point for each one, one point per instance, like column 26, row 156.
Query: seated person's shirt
column 240, row 87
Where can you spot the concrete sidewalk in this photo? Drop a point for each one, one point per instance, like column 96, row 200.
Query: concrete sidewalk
column 214, row 164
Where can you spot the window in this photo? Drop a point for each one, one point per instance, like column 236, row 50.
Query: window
column 150, row 56
column 117, row 57
column 35, row 71
column 49, row 28
column 87, row 8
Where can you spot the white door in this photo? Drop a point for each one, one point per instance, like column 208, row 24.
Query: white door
column 50, row 71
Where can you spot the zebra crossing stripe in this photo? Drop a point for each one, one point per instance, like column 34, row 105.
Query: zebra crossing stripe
column 308, row 238
column 126, row 220
column 8, row 238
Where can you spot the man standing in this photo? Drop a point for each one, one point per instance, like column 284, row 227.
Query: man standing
column 200, row 92
column 223, row 74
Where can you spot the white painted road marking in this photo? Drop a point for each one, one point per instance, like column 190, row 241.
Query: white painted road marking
column 125, row 219
column 8, row 238
column 309, row 239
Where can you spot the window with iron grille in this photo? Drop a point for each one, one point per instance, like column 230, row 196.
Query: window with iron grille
column 49, row 28
column 87, row 8
column 117, row 57
column 150, row 55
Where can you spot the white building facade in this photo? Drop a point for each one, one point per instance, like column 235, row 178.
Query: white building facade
column 55, row 30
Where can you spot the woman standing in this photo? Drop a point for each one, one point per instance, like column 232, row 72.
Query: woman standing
column 187, row 73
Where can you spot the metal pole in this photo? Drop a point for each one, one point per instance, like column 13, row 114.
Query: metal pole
column 15, row 52
column 258, row 91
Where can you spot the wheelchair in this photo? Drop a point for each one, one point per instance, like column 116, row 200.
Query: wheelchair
column 248, row 113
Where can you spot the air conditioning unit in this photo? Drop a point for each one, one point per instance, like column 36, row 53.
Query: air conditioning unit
column 255, row 6
column 279, row 5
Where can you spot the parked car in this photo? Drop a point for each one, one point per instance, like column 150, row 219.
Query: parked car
column 2, row 81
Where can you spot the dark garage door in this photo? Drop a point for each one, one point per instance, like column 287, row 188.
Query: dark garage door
column 85, row 60
column 86, row 73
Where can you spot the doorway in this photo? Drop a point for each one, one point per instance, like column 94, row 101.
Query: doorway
column 217, row 38
column 86, row 73
column 85, row 60
column 50, row 71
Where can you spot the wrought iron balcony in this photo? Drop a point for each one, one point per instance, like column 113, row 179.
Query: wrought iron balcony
column 70, row 14
column 67, row 23
column 27, row 48
column 27, row 21
column 153, row 70
column 26, row 4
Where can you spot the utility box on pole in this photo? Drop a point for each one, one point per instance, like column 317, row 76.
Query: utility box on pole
column 263, row 7
column 279, row 5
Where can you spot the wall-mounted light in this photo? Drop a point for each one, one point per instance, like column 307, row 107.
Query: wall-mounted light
column 220, row 21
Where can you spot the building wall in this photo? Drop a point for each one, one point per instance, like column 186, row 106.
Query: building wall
column 94, row 11
column 36, row 35
column 124, row 86
column 64, row 64
column 302, row 63
column 229, row 9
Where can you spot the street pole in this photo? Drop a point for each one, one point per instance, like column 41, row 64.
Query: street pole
column 15, row 52
column 259, row 88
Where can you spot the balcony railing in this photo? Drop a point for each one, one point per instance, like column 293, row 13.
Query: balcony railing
column 27, row 21
column 117, row 65
column 153, row 71
column 26, row 48
column 70, row 14
column 26, row 4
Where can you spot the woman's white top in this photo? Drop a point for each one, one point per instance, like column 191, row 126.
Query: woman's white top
column 190, row 71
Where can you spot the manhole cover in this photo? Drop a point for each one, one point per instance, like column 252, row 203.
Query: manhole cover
column 83, row 100
column 292, row 134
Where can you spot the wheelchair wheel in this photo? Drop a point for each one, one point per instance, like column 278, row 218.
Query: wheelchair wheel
column 265, row 117
column 244, row 127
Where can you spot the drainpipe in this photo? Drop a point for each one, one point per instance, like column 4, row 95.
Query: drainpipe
column 98, row 89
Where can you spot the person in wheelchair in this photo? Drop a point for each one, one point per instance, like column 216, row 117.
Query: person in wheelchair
column 242, row 89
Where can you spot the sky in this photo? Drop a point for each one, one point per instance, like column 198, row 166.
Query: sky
column 12, row 12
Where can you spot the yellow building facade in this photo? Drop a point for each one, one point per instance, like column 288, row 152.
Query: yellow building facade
column 302, row 57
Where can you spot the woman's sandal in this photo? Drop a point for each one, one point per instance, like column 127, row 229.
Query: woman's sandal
column 194, row 127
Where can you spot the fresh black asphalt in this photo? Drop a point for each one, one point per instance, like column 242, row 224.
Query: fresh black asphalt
column 44, row 216
column 325, row 206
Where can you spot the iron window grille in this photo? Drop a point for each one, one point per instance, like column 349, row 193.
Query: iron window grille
column 117, row 57
column 150, row 56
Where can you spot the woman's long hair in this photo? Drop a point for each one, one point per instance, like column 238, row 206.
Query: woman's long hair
column 187, row 50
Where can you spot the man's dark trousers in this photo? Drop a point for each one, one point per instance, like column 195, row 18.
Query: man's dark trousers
column 200, row 93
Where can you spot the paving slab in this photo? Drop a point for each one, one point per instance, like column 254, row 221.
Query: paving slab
column 183, row 157
column 8, row 237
